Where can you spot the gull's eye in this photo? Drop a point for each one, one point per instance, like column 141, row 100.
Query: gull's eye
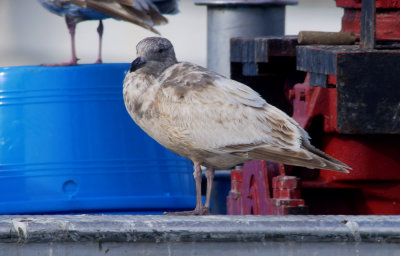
column 160, row 50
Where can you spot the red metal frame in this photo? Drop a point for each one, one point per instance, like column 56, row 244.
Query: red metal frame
column 372, row 187
column 387, row 21
column 251, row 192
column 375, row 159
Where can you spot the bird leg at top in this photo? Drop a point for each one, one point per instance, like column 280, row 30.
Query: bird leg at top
column 200, row 209
column 100, row 30
column 71, row 24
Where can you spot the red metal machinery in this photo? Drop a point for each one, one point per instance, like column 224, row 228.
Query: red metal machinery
column 349, row 102
column 387, row 18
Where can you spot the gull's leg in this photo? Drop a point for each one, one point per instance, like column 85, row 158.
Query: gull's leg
column 71, row 28
column 71, row 24
column 210, row 178
column 200, row 209
column 100, row 29
column 197, row 178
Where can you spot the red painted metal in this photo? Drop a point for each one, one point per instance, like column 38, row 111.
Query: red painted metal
column 371, row 157
column 374, row 183
column 251, row 192
column 365, row 153
column 387, row 21
column 387, row 24
column 372, row 187
column 234, row 199
column 381, row 4
column 311, row 101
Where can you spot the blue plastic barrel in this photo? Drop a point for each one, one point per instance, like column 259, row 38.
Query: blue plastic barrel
column 67, row 144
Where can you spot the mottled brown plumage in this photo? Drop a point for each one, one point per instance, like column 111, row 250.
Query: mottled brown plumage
column 213, row 121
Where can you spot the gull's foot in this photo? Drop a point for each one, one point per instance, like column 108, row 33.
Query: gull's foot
column 98, row 61
column 197, row 212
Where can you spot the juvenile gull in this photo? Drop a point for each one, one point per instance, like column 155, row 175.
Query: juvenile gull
column 212, row 120
column 144, row 13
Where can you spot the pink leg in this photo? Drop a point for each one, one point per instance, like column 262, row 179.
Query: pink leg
column 71, row 28
column 100, row 29
column 200, row 209
column 197, row 178
column 210, row 179
column 71, row 24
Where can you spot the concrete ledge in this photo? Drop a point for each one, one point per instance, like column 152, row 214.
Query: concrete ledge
column 153, row 228
column 209, row 235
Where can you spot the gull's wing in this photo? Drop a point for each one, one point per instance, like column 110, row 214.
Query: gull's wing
column 140, row 12
column 59, row 7
column 220, row 115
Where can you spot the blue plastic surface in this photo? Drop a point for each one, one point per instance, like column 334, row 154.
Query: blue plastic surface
column 67, row 144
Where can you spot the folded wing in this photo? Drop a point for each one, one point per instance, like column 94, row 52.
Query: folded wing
column 222, row 116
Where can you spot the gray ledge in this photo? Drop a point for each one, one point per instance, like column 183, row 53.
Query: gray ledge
column 244, row 2
column 219, row 228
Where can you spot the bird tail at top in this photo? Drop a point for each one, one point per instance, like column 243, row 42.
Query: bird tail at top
column 167, row 6
column 140, row 12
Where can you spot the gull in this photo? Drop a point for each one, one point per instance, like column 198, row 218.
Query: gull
column 214, row 121
column 144, row 13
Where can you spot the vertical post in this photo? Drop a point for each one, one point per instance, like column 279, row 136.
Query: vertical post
column 244, row 18
column 368, row 24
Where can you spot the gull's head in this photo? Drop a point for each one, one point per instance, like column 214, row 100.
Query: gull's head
column 154, row 55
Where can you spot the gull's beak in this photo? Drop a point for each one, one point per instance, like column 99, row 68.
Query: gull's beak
column 136, row 64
